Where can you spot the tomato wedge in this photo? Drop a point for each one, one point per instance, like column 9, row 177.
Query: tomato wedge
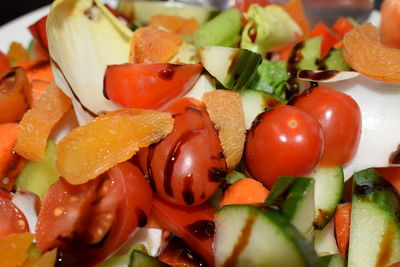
column 4, row 63
column 149, row 86
column 89, row 222
column 38, row 30
column 195, row 225
column 12, row 220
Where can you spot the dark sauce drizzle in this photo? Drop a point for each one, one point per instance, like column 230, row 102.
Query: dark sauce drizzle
column 142, row 218
column 317, row 76
column 216, row 175
column 203, row 229
column 292, row 87
column 166, row 74
column 150, row 167
column 187, row 194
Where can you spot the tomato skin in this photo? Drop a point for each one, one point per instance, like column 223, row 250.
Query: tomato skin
column 186, row 167
column 38, row 31
column 340, row 118
column 12, row 220
column 149, row 86
column 89, row 222
column 283, row 141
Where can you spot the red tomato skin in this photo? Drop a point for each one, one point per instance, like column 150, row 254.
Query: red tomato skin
column 12, row 220
column 4, row 62
column 342, row 26
column 186, row 167
column 329, row 39
column 340, row 118
column 283, row 141
column 71, row 213
column 149, row 86
column 38, row 31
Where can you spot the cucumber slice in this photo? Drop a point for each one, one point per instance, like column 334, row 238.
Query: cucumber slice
column 375, row 227
column 325, row 241
column 248, row 236
column 329, row 183
column 295, row 198
column 232, row 67
column 335, row 260
column 38, row 176
column 306, row 54
column 139, row 259
column 334, row 61
column 204, row 84
column 256, row 102
column 142, row 11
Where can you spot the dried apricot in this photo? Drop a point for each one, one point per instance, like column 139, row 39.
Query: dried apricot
column 226, row 112
column 174, row 24
column 92, row 149
column 14, row 249
column 37, row 123
column 365, row 53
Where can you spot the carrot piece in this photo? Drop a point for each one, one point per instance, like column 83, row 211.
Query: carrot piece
column 342, row 26
column 244, row 191
column 174, row 24
column 37, row 70
column 36, row 90
column 328, row 37
column 296, row 11
column 342, row 226
column 284, row 53
column 152, row 45
column 10, row 163
column 35, row 126
column 14, row 249
column 392, row 175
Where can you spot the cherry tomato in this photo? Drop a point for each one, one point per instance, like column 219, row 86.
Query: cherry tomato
column 89, row 222
column 150, row 86
column 340, row 118
column 283, row 141
column 195, row 225
column 12, row 220
column 4, row 63
column 187, row 166
column 13, row 88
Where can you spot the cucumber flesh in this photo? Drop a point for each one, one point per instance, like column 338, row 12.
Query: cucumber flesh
column 139, row 259
column 256, row 102
column 295, row 198
column 325, row 241
column 329, row 184
column 248, row 236
column 335, row 260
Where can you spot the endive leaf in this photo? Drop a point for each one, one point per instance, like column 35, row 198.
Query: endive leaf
column 84, row 37
column 380, row 109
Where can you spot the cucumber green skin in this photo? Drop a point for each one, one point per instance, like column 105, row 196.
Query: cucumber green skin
column 335, row 260
column 222, row 30
column 139, row 259
column 283, row 228
column 38, row 176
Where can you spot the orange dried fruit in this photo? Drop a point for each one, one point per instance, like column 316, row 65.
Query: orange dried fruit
column 36, row 90
column 226, row 112
column 364, row 52
column 48, row 259
column 37, row 123
column 91, row 149
column 14, row 249
column 152, row 45
column 174, row 23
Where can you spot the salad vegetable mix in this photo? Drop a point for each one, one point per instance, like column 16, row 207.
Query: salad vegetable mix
column 154, row 133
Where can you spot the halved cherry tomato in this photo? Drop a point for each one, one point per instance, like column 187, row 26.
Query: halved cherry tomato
column 186, row 167
column 149, row 86
column 38, row 30
column 13, row 89
column 329, row 39
column 91, row 221
column 283, row 141
column 4, row 63
column 12, row 220
column 195, row 225
column 340, row 118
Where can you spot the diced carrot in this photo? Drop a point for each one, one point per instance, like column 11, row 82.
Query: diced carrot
column 328, row 37
column 342, row 26
column 174, row 24
column 152, row 45
column 296, row 11
column 10, row 162
column 342, row 227
column 284, row 53
column 245, row 191
column 37, row 123
column 391, row 174
column 338, row 45
column 37, row 70
column 36, row 90
column 17, row 53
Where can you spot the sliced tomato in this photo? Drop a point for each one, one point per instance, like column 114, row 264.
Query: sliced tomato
column 38, row 31
column 4, row 63
column 342, row 26
column 329, row 39
column 89, row 222
column 12, row 220
column 391, row 174
column 195, row 225
column 149, row 86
